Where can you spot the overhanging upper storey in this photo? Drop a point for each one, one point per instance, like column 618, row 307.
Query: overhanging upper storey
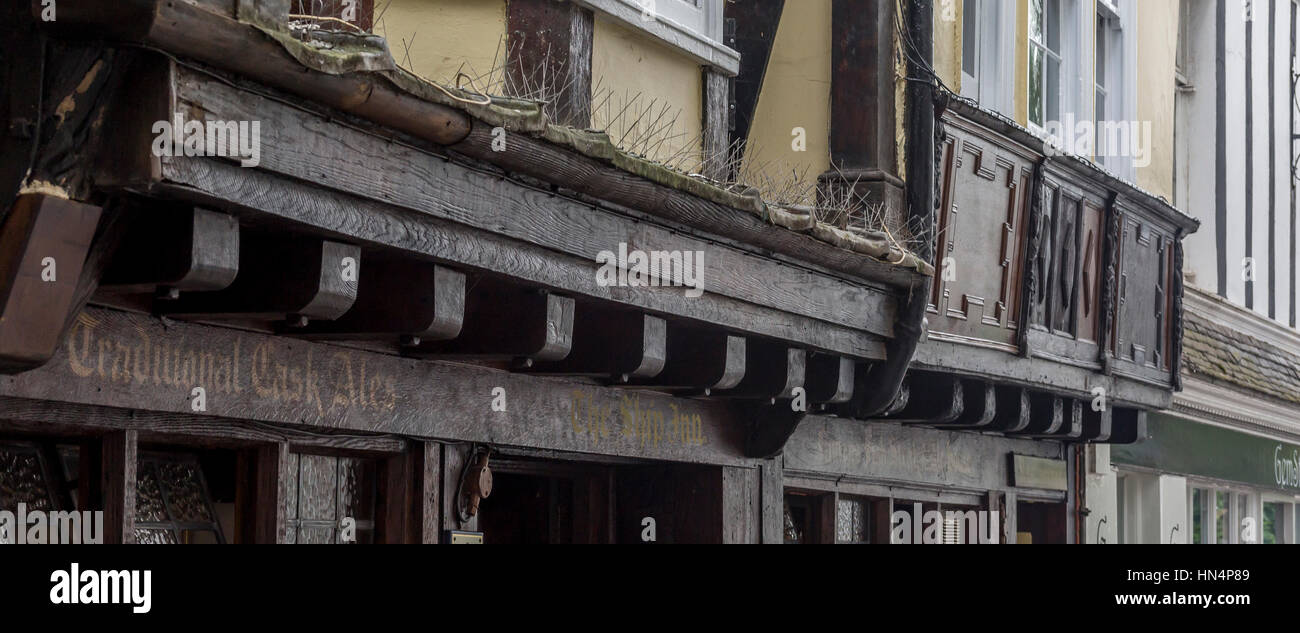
column 1052, row 274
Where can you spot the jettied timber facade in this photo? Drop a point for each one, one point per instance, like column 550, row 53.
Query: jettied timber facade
column 409, row 310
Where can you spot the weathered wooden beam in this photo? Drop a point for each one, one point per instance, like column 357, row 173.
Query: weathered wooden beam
column 398, row 299
column 117, row 485
column 122, row 361
column 616, row 345
column 772, row 372
column 44, row 243
column 829, row 379
column 934, row 399
column 1097, row 425
column 769, row 427
column 863, row 117
column 980, row 406
column 170, row 26
column 716, row 142
column 282, row 277
column 272, row 198
column 699, row 361
column 548, row 53
column 1128, row 426
column 175, row 250
column 504, row 322
column 305, row 147
column 426, row 492
column 40, row 416
column 1046, row 416
column 393, row 509
column 1014, row 410
column 1071, row 426
column 864, row 389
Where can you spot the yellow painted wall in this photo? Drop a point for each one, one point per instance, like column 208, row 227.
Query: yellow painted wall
column 445, row 36
column 948, row 42
column 1157, row 37
column 796, row 94
column 628, row 67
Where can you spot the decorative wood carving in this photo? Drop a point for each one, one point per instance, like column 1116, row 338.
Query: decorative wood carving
column 984, row 196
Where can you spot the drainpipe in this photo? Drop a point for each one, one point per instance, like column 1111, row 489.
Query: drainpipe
column 770, row 426
column 883, row 380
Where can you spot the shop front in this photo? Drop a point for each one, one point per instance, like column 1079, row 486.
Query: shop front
column 1192, row 482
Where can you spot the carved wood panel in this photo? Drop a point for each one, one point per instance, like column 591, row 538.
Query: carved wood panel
column 984, row 197
column 1145, row 293
column 1065, row 283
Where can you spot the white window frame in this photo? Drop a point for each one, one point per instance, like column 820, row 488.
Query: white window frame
column 1058, row 11
column 991, row 86
column 693, row 27
column 1119, row 79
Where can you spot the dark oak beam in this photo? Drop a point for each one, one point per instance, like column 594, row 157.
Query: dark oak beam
column 402, row 300
column 175, row 250
column 772, row 372
column 426, row 492
column 505, row 322
column 616, row 345
column 549, row 57
column 934, row 399
column 769, row 427
column 1014, row 410
column 1046, row 415
column 393, row 509
column 829, row 379
column 261, row 483
column 980, row 406
column 1128, row 426
column 118, row 462
column 595, row 212
column 1097, row 425
column 865, row 388
column 1071, row 426
column 44, row 245
column 280, row 278
column 701, row 361
column 863, row 116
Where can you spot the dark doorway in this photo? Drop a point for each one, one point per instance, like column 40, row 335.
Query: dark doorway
column 1038, row 523
column 537, row 502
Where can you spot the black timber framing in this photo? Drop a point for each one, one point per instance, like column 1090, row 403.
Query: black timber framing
column 548, row 50
column 756, row 24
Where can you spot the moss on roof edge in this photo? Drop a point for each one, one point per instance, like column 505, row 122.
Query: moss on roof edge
column 369, row 54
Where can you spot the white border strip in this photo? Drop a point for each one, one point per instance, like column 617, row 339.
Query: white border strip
column 694, row 45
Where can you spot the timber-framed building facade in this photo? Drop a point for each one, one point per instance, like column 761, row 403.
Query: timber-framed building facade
column 267, row 276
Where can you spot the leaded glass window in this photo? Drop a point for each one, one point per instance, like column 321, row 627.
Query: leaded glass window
column 172, row 503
